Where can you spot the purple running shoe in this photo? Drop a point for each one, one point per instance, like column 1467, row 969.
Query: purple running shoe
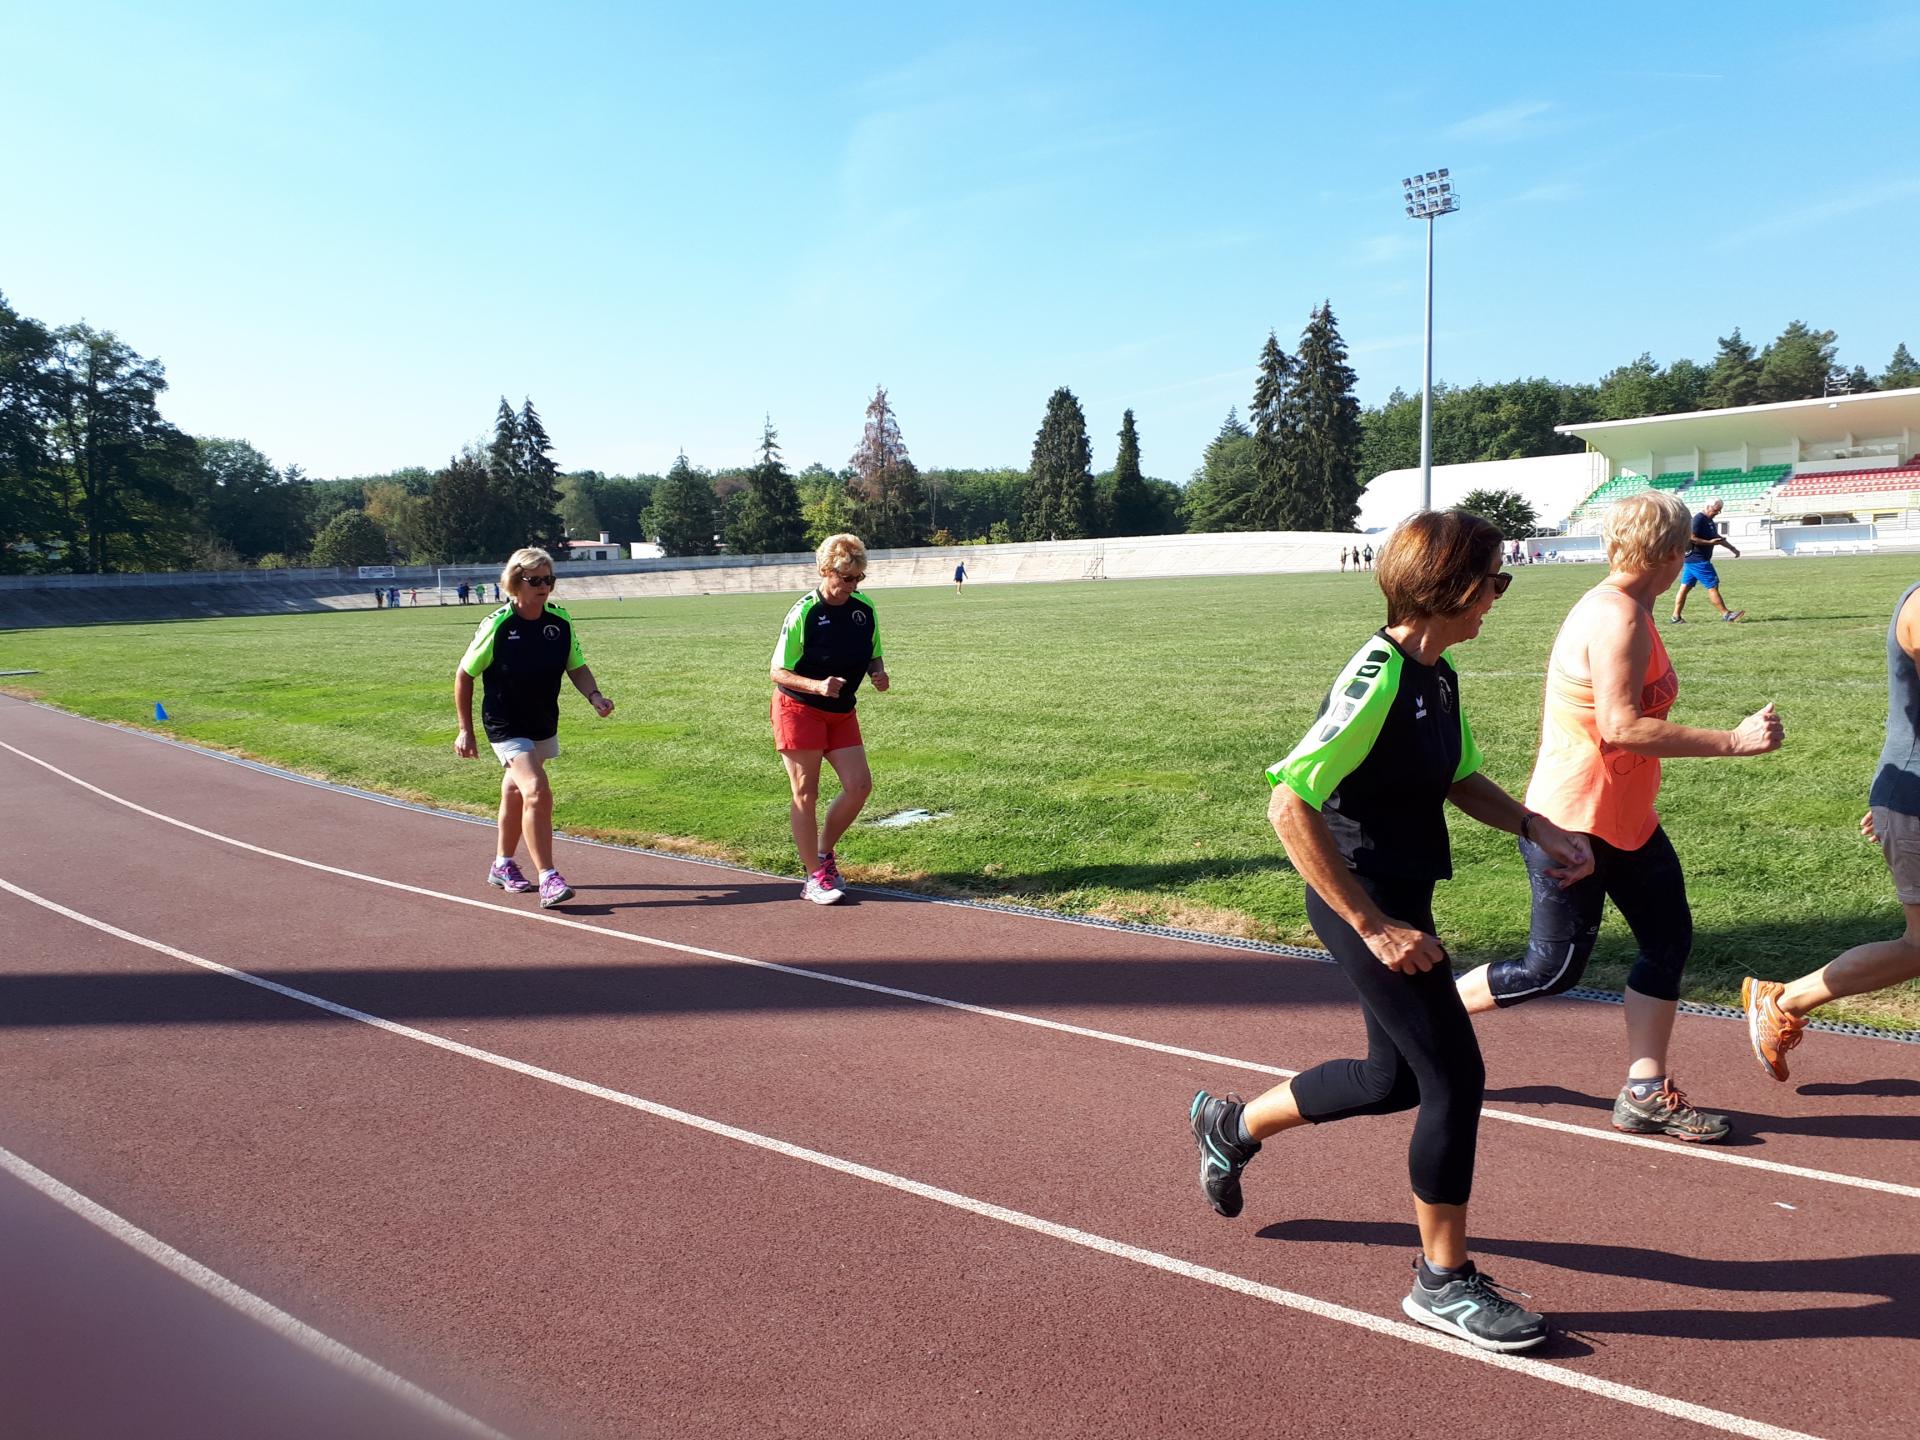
column 554, row 891
column 505, row 875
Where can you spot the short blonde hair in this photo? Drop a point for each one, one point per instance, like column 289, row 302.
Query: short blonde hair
column 837, row 550
column 1645, row 529
column 528, row 558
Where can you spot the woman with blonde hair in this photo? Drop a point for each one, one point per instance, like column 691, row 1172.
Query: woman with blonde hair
column 519, row 654
column 829, row 641
column 1603, row 733
column 1360, row 806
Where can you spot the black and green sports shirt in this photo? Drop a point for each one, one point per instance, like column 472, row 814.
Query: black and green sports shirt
column 818, row 640
column 1390, row 739
column 520, row 664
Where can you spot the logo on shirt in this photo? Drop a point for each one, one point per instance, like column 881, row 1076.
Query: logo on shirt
column 1446, row 694
column 550, row 632
column 859, row 617
column 1419, row 707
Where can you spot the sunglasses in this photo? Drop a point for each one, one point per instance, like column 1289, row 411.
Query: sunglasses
column 1500, row 582
column 544, row 582
column 851, row 574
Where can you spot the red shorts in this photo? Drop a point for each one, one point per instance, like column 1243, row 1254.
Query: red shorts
column 803, row 727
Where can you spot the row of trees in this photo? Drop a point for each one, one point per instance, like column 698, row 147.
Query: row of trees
column 93, row 476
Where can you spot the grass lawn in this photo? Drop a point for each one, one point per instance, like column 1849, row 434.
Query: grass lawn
column 1098, row 746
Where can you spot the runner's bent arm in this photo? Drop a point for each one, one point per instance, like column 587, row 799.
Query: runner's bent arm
column 1479, row 796
column 582, row 678
column 463, row 710
column 1617, row 661
column 1309, row 845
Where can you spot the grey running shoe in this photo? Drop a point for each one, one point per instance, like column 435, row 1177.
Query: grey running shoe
column 1733, row 615
column 1222, row 1158
column 1666, row 1112
column 1471, row 1307
column 1676, row 619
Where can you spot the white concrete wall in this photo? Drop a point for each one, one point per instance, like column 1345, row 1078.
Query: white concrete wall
column 1552, row 484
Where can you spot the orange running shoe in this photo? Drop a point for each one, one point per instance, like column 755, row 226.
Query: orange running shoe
column 1772, row 1031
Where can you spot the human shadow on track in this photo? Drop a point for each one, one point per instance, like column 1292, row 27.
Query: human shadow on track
column 1891, row 1283
column 1893, row 1087
column 1748, row 1127
column 670, row 986
column 723, row 892
column 1146, row 876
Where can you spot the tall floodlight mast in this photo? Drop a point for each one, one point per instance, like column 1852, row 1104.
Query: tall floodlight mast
column 1428, row 197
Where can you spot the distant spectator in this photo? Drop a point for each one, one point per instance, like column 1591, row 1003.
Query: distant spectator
column 378, row 597
column 1367, row 556
column 959, row 576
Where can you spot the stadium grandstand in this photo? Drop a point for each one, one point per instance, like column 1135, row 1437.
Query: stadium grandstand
column 1834, row 475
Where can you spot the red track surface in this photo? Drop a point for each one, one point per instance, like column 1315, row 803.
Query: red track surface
column 561, row 1263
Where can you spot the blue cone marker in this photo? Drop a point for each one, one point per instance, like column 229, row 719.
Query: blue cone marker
column 159, row 711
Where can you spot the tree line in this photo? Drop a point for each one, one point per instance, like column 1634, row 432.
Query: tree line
column 93, row 477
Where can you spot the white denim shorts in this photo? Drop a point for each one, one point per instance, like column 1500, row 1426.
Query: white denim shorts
column 540, row 749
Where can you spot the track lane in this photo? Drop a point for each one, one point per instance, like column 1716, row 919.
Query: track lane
column 1373, row 1163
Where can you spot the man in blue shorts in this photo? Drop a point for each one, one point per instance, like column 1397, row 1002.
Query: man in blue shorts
column 1699, row 567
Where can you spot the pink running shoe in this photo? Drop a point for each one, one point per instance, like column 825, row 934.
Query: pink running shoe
column 823, row 887
column 554, row 890
column 505, row 875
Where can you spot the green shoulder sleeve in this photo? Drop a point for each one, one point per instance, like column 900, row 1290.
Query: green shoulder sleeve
column 575, row 656
column 876, row 622
column 480, row 653
column 793, row 634
column 1470, row 761
column 1348, row 724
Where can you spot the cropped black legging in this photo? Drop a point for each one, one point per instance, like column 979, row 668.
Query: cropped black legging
column 1421, row 1048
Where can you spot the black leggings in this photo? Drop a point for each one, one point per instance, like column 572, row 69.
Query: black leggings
column 1421, row 1048
column 1649, row 889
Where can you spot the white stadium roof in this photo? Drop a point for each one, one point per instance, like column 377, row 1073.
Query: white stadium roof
column 1833, row 420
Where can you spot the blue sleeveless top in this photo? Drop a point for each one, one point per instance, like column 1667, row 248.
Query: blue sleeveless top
column 1896, row 784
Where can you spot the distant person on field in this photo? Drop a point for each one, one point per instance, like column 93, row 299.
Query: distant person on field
column 393, row 597
column 1776, row 1013
column 460, row 592
column 829, row 642
column 1360, row 805
column 1369, row 557
column 520, row 652
column 1699, row 569
column 1603, row 732
column 959, row 577
column 379, row 598
column 1343, row 559
column 413, row 596
column 496, row 592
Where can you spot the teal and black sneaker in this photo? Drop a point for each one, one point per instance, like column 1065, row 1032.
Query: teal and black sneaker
column 1222, row 1158
column 1471, row 1307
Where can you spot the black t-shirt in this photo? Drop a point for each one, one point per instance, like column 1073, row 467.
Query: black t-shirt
column 1704, row 529
column 818, row 640
column 520, row 664
column 1389, row 742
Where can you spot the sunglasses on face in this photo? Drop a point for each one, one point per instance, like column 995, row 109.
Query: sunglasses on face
column 1500, row 582
column 851, row 574
column 543, row 582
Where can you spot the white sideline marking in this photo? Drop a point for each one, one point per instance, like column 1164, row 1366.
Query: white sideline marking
column 1587, row 1132
column 1119, row 1249
column 314, row 1342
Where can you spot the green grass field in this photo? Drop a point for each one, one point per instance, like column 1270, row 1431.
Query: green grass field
column 1099, row 746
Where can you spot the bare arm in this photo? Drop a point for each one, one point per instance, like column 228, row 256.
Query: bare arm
column 463, row 745
column 1309, row 845
column 830, row 687
column 1481, row 797
column 582, row 677
column 1617, row 652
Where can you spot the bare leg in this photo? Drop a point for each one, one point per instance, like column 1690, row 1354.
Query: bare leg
column 529, row 777
column 510, row 808
column 1272, row 1112
column 1476, row 990
column 856, row 784
column 1713, row 594
column 1680, row 597
column 803, row 775
column 1649, row 1028
column 1859, row 970
column 1443, row 1233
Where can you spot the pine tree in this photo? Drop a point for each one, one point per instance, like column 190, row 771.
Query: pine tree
column 537, row 485
column 1797, row 365
column 1059, row 498
column 769, row 522
column 503, row 521
column 1278, row 503
column 1326, row 434
column 1735, row 376
column 457, row 519
column 682, row 513
column 885, row 488
column 1902, row 371
column 1131, row 509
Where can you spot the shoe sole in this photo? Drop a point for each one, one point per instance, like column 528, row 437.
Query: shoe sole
column 1748, row 1002
column 831, row 897
column 502, row 885
column 1447, row 1327
column 546, row 904
column 1687, row 1136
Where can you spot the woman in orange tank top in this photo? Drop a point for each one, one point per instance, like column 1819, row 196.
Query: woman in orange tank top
column 1603, row 733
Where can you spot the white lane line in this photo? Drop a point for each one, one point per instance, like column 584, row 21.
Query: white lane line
column 1585, row 1132
column 185, row 1267
column 1118, row 1249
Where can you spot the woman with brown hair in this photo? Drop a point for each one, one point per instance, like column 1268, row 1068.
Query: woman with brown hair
column 1360, row 805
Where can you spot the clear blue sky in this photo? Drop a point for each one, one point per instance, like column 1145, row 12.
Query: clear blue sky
column 349, row 228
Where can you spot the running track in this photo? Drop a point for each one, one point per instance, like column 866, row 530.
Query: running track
column 468, row 1169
